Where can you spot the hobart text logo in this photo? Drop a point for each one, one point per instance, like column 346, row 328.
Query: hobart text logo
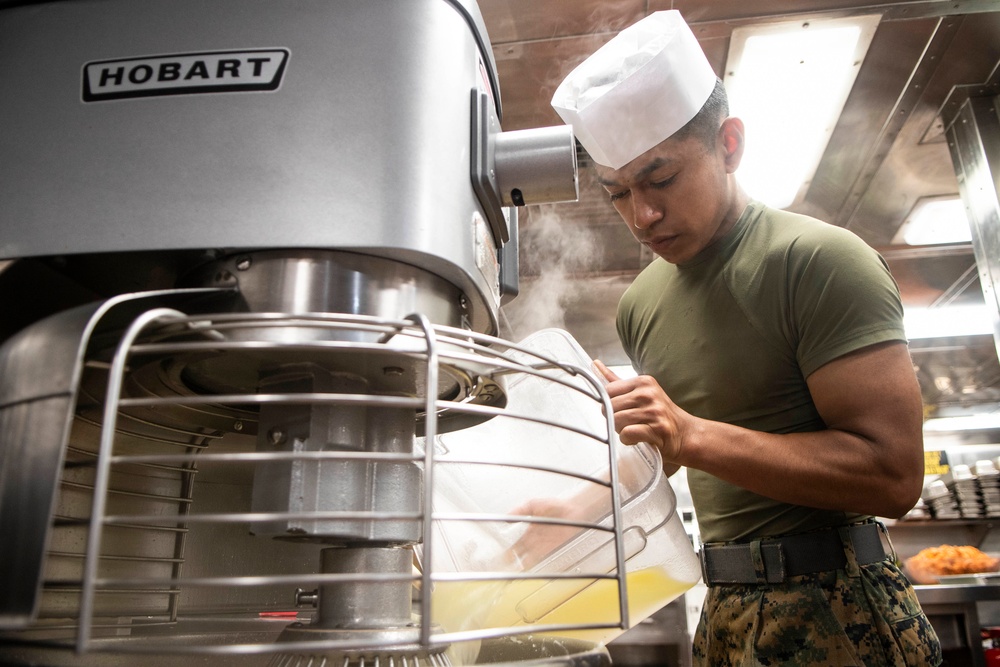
column 184, row 74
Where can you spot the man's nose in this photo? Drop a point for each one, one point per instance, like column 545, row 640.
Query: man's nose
column 644, row 212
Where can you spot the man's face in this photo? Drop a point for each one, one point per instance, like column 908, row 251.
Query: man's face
column 674, row 197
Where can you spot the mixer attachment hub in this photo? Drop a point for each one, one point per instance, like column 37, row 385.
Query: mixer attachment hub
column 374, row 614
column 399, row 654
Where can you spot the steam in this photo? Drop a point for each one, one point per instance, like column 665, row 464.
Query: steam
column 553, row 253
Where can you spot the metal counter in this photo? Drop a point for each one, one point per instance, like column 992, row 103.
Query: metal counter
column 953, row 610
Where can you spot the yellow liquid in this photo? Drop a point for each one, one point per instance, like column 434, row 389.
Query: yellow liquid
column 476, row 605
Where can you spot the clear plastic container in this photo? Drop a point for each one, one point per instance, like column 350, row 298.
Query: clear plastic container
column 558, row 466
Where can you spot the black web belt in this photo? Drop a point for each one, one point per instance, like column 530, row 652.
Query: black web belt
column 781, row 557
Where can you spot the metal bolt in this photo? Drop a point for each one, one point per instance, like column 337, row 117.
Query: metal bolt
column 276, row 436
column 238, row 426
column 243, row 263
column 304, row 598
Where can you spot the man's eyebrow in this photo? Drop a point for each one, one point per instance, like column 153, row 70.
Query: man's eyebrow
column 641, row 174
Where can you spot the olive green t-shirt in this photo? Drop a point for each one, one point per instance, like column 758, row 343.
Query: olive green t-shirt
column 733, row 334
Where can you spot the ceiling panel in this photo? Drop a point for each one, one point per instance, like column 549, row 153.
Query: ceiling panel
column 529, row 73
column 895, row 52
column 529, row 20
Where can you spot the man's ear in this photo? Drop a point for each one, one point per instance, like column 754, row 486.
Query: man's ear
column 732, row 140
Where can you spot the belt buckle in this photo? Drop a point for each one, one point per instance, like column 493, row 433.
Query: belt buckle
column 703, row 561
column 885, row 531
column 775, row 569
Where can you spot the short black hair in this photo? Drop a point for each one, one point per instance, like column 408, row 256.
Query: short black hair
column 706, row 123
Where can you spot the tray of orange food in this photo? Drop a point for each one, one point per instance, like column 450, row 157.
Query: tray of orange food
column 948, row 564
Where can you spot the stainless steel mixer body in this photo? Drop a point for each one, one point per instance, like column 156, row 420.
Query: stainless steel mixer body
column 249, row 218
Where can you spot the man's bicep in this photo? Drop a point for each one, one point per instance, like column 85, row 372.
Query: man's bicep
column 872, row 398
column 873, row 393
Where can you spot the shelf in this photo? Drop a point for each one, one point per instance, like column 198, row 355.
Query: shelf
column 942, row 523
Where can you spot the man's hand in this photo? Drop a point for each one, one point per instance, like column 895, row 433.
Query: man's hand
column 541, row 539
column 644, row 413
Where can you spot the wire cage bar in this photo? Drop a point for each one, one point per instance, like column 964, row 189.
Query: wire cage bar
column 147, row 438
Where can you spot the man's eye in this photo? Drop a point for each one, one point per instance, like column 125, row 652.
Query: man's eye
column 664, row 183
column 615, row 196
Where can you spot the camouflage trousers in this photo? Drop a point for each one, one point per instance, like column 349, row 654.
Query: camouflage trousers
column 859, row 616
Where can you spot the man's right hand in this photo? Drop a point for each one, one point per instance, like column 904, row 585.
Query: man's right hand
column 644, row 413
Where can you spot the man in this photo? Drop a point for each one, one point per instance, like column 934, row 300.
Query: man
column 774, row 368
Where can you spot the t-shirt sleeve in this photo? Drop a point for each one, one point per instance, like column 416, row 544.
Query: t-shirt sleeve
column 842, row 298
column 623, row 325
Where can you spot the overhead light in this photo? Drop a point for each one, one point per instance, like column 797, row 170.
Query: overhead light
column 935, row 220
column 973, row 422
column 789, row 82
column 947, row 321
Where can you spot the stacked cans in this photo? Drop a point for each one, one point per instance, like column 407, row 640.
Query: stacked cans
column 988, row 478
column 965, row 488
column 940, row 501
column 965, row 492
column 919, row 512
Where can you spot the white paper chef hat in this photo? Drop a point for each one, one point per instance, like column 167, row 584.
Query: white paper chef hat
column 636, row 90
